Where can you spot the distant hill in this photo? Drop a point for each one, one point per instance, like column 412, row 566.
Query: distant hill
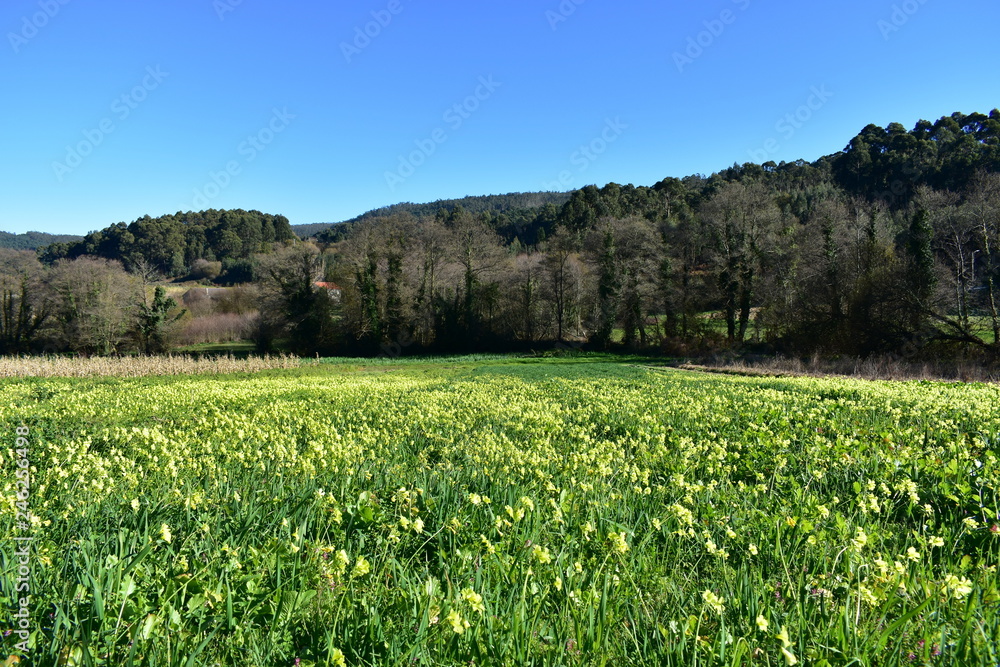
column 495, row 204
column 34, row 240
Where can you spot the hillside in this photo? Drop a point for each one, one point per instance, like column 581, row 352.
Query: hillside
column 34, row 240
column 494, row 204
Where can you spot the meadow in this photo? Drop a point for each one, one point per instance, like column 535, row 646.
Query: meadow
column 502, row 511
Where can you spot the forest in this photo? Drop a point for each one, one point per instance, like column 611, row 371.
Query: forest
column 889, row 246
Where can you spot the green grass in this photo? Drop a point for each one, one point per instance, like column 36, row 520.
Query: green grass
column 634, row 517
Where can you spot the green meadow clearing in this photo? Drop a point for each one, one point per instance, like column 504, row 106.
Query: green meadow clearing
column 500, row 511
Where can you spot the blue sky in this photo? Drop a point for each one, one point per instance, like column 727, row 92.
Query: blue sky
column 118, row 109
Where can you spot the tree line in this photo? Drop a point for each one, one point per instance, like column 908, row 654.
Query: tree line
column 889, row 246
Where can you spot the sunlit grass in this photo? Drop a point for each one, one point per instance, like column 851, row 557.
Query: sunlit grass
column 507, row 511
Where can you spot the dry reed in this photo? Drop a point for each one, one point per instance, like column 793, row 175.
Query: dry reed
column 51, row 366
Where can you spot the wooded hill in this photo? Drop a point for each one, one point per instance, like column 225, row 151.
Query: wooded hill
column 890, row 245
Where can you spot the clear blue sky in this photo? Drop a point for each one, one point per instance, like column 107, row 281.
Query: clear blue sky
column 189, row 88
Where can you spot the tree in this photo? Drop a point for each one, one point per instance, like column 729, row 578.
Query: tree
column 292, row 304
column 94, row 305
column 154, row 318
column 24, row 307
column 563, row 273
column 742, row 219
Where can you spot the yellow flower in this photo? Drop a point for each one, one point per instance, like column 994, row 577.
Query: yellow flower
column 361, row 568
column 958, row 588
column 474, row 599
column 936, row 541
column 338, row 658
column 541, row 554
column 860, row 540
column 753, row 549
column 475, row 498
column 913, row 554
column 458, row 624
column 135, row 504
column 714, row 601
column 165, row 533
column 790, row 658
column 762, row 623
column 618, row 543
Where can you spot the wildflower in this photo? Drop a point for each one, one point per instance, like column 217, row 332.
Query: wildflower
column 823, row 511
column 418, row 526
column 165, row 533
column 361, row 568
column 957, row 588
column 859, row 540
column 474, row 600
column 762, row 623
column 867, row 596
column 935, row 541
column 558, row 583
column 135, row 504
column 913, row 554
column 753, row 549
column 341, row 562
column 338, row 658
column 786, row 644
column 618, row 543
column 730, row 534
column 714, row 601
column 970, row 523
column 475, row 498
column 458, row 624
column 541, row 554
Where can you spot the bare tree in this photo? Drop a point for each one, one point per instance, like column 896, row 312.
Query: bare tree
column 95, row 305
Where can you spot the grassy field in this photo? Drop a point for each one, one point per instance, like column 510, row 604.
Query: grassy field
column 502, row 511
